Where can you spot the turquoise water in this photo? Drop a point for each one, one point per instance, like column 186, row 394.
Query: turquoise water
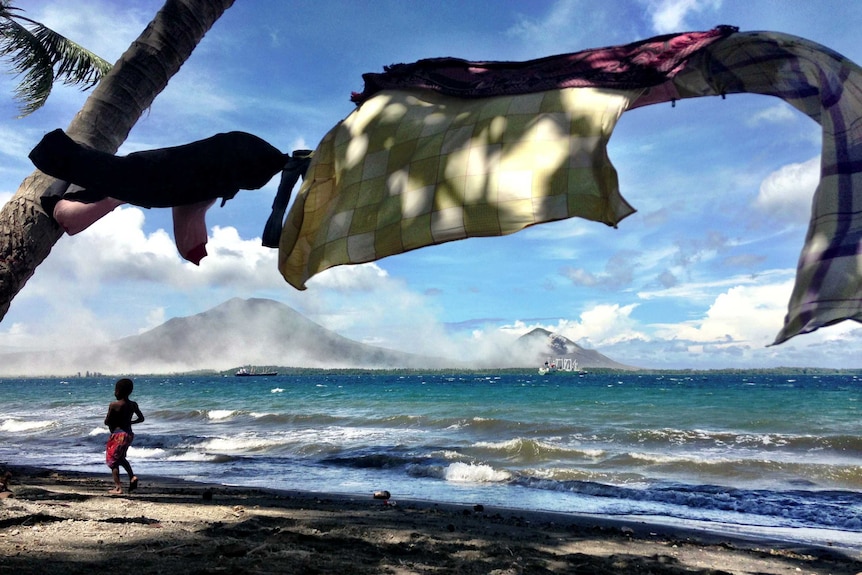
column 743, row 453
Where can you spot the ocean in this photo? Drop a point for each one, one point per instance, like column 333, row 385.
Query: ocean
column 743, row 454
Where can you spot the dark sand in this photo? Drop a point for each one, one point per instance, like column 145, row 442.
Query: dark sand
column 62, row 522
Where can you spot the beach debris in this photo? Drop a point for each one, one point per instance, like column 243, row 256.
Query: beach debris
column 385, row 496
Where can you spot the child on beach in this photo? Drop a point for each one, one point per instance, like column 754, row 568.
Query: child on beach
column 119, row 421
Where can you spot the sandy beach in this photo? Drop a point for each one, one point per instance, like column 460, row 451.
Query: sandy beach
column 62, row 522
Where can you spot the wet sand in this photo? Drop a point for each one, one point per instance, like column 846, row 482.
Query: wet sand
column 62, row 522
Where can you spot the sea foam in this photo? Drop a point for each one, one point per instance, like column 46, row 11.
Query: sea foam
column 20, row 426
column 459, row 472
column 219, row 414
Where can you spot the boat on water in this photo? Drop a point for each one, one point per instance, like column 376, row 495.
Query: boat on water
column 561, row 365
column 251, row 372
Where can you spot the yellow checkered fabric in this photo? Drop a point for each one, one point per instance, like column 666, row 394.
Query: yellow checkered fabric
column 411, row 169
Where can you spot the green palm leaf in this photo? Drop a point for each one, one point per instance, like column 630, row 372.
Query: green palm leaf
column 42, row 57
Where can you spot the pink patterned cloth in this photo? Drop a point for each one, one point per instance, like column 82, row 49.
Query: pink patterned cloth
column 637, row 65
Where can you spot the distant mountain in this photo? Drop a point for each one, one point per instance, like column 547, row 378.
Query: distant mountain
column 262, row 332
column 237, row 332
column 548, row 346
column 257, row 332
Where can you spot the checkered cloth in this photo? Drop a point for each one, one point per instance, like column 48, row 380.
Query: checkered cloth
column 411, row 169
column 415, row 167
column 828, row 88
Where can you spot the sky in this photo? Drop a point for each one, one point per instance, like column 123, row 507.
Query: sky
column 698, row 278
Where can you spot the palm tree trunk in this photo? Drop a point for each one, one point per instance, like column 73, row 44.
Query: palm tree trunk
column 27, row 233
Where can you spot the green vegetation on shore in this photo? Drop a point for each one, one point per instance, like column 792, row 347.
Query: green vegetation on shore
column 305, row 371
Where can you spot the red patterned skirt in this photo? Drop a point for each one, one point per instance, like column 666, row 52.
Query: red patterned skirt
column 118, row 445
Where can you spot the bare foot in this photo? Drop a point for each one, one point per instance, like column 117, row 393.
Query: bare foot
column 133, row 483
column 115, row 491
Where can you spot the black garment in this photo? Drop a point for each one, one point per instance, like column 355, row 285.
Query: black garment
column 216, row 167
column 293, row 170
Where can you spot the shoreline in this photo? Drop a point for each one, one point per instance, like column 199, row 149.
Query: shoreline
column 65, row 522
column 293, row 371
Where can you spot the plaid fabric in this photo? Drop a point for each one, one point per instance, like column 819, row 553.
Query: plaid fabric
column 828, row 88
column 411, row 169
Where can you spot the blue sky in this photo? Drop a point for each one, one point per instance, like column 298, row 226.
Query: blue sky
column 699, row 277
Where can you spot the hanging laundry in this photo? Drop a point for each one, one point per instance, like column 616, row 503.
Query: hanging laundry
column 445, row 149
column 187, row 178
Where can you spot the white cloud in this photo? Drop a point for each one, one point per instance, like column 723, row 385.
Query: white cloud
column 739, row 328
column 605, row 325
column 670, row 15
column 16, row 338
column 91, row 276
column 559, row 30
column 598, row 326
column 751, row 314
column 739, row 323
column 706, row 291
column 155, row 318
column 114, row 249
column 361, row 277
column 60, row 321
column 235, row 262
column 558, row 17
column 779, row 113
column 787, row 192
column 362, row 302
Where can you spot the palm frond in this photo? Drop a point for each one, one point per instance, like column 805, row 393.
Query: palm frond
column 43, row 56
column 26, row 56
column 73, row 63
